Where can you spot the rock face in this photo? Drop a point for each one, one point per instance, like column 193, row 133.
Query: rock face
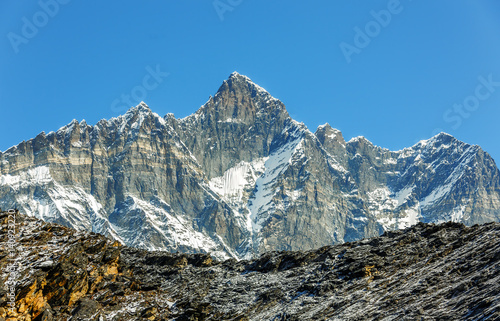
column 240, row 177
column 425, row 272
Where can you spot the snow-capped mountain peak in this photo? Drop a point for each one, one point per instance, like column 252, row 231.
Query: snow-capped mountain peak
column 239, row 177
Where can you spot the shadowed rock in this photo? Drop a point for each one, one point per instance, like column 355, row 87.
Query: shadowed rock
column 426, row 272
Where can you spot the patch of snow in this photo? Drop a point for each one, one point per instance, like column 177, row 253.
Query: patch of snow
column 230, row 120
column 403, row 195
column 275, row 165
column 391, row 161
column 38, row 175
column 387, row 223
column 458, row 213
column 355, row 139
column 405, row 153
column 443, row 189
column 334, row 164
column 295, row 194
column 176, row 230
column 70, row 203
column 381, row 205
column 77, row 144
column 231, row 185
column 322, row 126
column 411, row 217
column 160, row 119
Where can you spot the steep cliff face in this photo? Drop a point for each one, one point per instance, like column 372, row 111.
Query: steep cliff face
column 130, row 178
column 426, row 272
column 239, row 123
column 240, row 177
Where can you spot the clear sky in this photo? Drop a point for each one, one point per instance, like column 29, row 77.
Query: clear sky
column 393, row 71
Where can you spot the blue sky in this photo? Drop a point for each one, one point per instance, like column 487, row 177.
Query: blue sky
column 392, row 71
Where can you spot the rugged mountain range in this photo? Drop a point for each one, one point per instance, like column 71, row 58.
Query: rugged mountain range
column 426, row 272
column 240, row 177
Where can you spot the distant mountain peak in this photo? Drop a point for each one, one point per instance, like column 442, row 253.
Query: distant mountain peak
column 326, row 133
column 327, row 128
column 439, row 139
column 237, row 81
column 239, row 100
column 142, row 107
column 240, row 177
column 358, row 139
column 443, row 136
column 235, row 74
column 324, row 126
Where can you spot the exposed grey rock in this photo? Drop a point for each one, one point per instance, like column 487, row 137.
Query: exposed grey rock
column 425, row 272
column 239, row 123
column 240, row 177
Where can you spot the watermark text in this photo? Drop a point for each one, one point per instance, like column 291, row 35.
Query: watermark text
column 48, row 10
column 151, row 81
column 363, row 36
column 10, row 284
column 223, row 6
column 459, row 111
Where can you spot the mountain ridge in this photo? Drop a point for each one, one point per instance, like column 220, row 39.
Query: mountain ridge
column 427, row 271
column 240, row 177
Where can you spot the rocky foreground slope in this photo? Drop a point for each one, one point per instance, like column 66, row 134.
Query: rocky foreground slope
column 425, row 272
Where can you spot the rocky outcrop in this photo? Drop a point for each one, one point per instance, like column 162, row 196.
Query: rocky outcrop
column 240, row 123
column 129, row 174
column 425, row 272
column 240, row 177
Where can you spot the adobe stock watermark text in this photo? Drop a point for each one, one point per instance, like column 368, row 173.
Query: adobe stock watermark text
column 364, row 36
column 153, row 78
column 31, row 26
column 484, row 89
column 223, row 6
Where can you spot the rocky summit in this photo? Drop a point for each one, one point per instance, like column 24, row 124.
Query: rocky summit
column 240, row 177
column 424, row 272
